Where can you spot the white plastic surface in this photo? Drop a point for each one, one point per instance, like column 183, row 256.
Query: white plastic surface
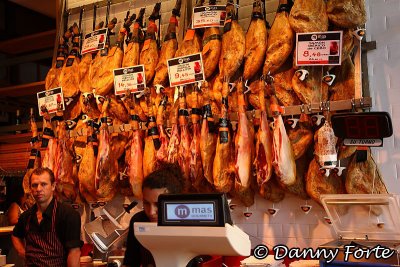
column 176, row 246
column 355, row 216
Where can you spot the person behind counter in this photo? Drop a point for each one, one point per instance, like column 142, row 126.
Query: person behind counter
column 47, row 234
column 18, row 207
column 167, row 179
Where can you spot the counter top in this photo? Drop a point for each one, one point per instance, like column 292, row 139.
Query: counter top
column 6, row 230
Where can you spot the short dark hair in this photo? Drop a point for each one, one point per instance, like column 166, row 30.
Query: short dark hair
column 168, row 176
column 40, row 171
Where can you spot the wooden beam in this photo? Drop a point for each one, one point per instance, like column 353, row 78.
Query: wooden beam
column 32, row 57
column 23, row 89
column 28, row 43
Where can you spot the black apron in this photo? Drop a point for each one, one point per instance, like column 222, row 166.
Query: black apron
column 44, row 249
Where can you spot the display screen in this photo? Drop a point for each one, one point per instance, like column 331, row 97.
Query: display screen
column 193, row 210
column 368, row 125
column 190, row 211
column 362, row 127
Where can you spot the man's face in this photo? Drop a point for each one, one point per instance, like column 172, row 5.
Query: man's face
column 41, row 188
column 150, row 202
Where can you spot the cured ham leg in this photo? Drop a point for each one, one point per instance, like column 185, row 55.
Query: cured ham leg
column 208, row 138
column 101, row 72
column 132, row 51
column 244, row 152
column 149, row 53
column 69, row 76
column 84, row 68
column 50, row 142
column 168, row 48
column 364, row 177
column 175, row 137
column 233, row 44
column 134, row 156
column 224, row 166
column 280, row 40
column 344, row 85
column 34, row 161
column 263, row 160
column 106, row 163
column 184, row 155
column 347, row 13
column 301, row 137
column 256, row 42
column 310, row 90
column 196, row 168
column 317, row 183
column 152, row 143
column 309, row 16
column 87, row 165
column 66, row 186
column 53, row 76
column 162, row 152
column 284, row 163
column 211, row 49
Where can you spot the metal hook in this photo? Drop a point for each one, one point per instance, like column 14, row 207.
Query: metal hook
column 309, row 108
column 302, row 108
column 159, row 88
column 247, row 87
column 362, row 102
column 353, row 105
column 232, row 86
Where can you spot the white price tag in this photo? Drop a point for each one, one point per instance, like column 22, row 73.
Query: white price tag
column 208, row 16
column 185, row 70
column 50, row 101
column 94, row 41
column 131, row 78
column 319, row 48
column 363, row 142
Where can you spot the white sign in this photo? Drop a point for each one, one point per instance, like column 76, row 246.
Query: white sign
column 190, row 211
column 319, row 48
column 185, row 70
column 208, row 16
column 129, row 79
column 50, row 101
column 94, row 41
column 363, row 142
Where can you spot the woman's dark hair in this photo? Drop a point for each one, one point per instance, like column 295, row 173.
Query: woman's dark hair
column 168, row 176
column 40, row 171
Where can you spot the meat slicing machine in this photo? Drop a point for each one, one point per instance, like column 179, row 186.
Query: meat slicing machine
column 363, row 223
column 105, row 230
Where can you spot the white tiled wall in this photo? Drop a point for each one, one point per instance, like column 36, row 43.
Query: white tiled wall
column 290, row 225
column 384, row 68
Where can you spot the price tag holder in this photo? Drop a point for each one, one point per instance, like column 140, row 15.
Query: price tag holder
column 319, row 48
column 362, row 129
column 208, row 16
column 50, row 101
column 131, row 78
column 185, row 70
column 94, row 41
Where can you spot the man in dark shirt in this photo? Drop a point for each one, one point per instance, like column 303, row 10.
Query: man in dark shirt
column 168, row 179
column 48, row 234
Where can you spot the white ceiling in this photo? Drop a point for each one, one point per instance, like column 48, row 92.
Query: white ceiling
column 45, row 7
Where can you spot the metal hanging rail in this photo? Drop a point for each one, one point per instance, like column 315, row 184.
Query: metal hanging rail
column 99, row 4
column 314, row 108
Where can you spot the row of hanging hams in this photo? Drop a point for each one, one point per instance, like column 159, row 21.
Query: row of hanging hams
column 254, row 70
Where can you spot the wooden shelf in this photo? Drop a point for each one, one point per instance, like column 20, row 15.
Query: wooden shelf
column 23, row 89
column 38, row 41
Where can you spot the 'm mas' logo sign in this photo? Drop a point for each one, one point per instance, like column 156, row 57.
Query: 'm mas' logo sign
column 182, row 211
column 198, row 211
